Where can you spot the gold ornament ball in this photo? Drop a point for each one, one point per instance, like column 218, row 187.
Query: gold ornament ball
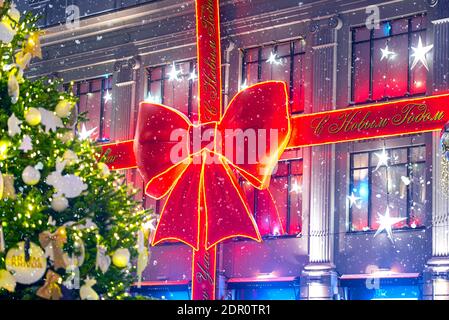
column 31, row 176
column 63, row 108
column 4, row 146
column 33, row 117
column 121, row 257
column 7, row 281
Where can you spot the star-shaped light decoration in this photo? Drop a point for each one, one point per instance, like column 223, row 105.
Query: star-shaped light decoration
column 296, row 188
column 85, row 134
column 26, row 144
column 353, row 200
column 174, row 73
column 107, row 97
column 153, row 99
column 419, row 54
column 382, row 159
column 386, row 223
column 386, row 53
column 244, row 86
column 193, row 76
column 14, row 125
column 273, row 59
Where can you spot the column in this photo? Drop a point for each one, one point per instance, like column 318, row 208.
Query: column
column 319, row 280
column 124, row 99
column 125, row 106
column 436, row 273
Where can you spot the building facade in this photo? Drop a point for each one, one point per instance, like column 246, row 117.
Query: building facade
column 322, row 244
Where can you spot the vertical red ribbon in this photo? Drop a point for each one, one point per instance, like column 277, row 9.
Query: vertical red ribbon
column 209, row 87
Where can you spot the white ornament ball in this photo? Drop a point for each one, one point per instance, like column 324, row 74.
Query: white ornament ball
column 70, row 156
column 59, row 204
column 31, row 176
column 33, row 117
column 121, row 257
column 63, row 108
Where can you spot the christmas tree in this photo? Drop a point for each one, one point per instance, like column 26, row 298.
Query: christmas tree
column 69, row 227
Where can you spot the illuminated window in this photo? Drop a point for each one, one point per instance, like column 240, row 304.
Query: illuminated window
column 95, row 103
column 282, row 62
column 401, row 186
column 175, row 85
column 382, row 60
column 286, row 191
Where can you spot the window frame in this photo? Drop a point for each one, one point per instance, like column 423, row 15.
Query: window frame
column 409, row 199
column 260, row 61
column 371, row 40
column 193, row 66
column 103, row 89
column 289, row 177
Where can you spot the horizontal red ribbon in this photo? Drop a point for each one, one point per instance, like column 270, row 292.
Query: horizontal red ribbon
column 368, row 122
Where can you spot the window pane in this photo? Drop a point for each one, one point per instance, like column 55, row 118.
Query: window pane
column 360, row 160
column 418, row 154
column 390, row 73
column 281, row 169
column 252, row 55
column 298, row 90
column 295, row 205
column 361, row 34
column 378, row 195
column 399, row 26
column 252, row 74
column 398, row 156
column 383, row 31
column 419, row 23
column 156, row 73
column 418, row 196
column 359, row 210
column 279, row 190
column 268, row 218
column 361, row 72
column 418, row 75
column 107, row 118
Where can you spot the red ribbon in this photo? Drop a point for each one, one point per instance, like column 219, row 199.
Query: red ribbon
column 205, row 204
column 207, row 176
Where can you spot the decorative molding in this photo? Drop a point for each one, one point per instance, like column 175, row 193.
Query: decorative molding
column 335, row 22
column 432, row 3
column 314, row 27
column 441, row 21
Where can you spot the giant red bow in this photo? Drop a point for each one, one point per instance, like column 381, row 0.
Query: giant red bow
column 196, row 182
